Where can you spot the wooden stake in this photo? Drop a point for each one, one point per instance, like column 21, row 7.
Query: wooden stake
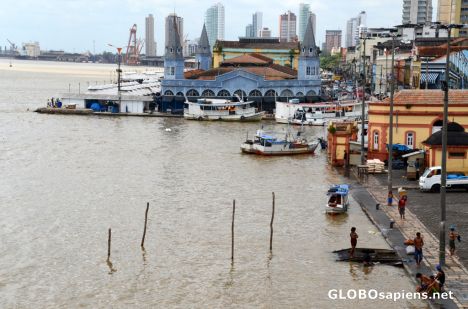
column 271, row 222
column 232, row 229
column 109, row 244
column 144, row 230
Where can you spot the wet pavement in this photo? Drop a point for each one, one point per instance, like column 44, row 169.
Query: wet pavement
column 422, row 215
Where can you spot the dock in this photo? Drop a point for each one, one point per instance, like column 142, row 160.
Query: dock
column 88, row 112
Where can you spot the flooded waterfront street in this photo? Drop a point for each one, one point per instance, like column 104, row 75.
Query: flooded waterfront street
column 67, row 179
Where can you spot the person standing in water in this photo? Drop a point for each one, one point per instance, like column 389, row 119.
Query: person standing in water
column 354, row 236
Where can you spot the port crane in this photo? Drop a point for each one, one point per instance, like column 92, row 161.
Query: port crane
column 134, row 47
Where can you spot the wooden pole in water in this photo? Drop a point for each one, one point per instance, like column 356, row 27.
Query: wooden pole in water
column 144, row 230
column 109, row 244
column 271, row 222
column 232, row 229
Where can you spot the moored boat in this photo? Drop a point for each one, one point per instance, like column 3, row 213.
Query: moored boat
column 270, row 145
column 312, row 118
column 369, row 256
column 219, row 109
column 338, row 201
column 324, row 112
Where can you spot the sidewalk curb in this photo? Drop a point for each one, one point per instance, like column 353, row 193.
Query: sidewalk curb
column 361, row 198
column 390, row 243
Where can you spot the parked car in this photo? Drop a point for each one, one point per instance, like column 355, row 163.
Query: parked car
column 431, row 180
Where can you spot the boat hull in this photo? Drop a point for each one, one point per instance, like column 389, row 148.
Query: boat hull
column 278, row 151
column 317, row 122
column 243, row 118
column 336, row 210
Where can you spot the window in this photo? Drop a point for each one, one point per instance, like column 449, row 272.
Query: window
column 192, row 93
column 311, row 49
column 308, row 71
column 208, row 93
column 410, row 139
column 171, row 71
column 255, row 93
column 224, row 93
column 457, row 155
column 376, row 140
column 172, row 50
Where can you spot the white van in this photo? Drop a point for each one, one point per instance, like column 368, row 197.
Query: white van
column 430, row 180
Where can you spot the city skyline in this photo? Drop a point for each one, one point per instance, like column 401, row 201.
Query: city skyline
column 83, row 21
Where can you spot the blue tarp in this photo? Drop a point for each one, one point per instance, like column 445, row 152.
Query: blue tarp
column 96, row 107
column 455, row 176
column 400, row 147
column 342, row 189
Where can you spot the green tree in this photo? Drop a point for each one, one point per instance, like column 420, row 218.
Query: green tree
column 330, row 63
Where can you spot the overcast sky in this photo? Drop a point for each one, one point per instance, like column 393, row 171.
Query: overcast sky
column 72, row 25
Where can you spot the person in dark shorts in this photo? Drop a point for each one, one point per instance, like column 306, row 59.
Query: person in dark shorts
column 424, row 282
column 354, row 236
column 440, row 276
column 452, row 236
column 418, row 244
column 402, row 206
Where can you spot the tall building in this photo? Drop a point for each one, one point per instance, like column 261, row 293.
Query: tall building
column 215, row 22
column 257, row 19
column 150, row 44
column 249, row 31
column 172, row 19
column 304, row 15
column 354, row 27
column 265, row 33
column 332, row 40
column 453, row 12
column 287, row 27
column 417, row 11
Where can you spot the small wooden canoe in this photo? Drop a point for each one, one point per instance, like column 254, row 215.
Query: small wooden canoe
column 370, row 255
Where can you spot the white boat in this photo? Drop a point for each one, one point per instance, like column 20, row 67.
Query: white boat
column 219, row 109
column 338, row 201
column 329, row 111
column 314, row 118
column 270, row 145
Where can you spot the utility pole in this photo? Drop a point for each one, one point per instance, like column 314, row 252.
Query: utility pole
column 443, row 174
column 390, row 120
column 363, row 107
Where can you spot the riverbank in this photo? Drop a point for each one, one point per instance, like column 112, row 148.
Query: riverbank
column 372, row 192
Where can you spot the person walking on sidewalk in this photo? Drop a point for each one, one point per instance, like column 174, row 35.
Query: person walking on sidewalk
column 390, row 198
column 402, row 206
column 452, row 236
column 418, row 245
column 354, row 236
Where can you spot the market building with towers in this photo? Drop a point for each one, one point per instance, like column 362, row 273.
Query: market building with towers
column 250, row 76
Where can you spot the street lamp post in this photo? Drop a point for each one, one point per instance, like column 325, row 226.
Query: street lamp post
column 390, row 121
column 119, row 71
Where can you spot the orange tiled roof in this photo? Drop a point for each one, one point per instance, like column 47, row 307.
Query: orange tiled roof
column 189, row 74
column 456, row 96
column 252, row 58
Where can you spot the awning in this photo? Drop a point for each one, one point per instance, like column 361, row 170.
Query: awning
column 431, row 77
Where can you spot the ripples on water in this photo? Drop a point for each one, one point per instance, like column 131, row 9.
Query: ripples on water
column 66, row 180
